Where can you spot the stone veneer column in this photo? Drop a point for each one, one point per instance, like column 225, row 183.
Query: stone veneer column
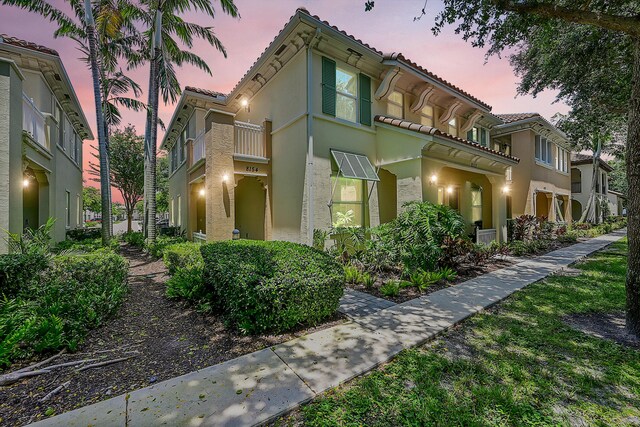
column 220, row 209
column 5, row 125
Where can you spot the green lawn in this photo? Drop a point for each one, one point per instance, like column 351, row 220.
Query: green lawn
column 517, row 365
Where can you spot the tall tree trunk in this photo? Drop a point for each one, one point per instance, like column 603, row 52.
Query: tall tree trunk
column 105, row 181
column 106, row 143
column 152, row 133
column 633, row 202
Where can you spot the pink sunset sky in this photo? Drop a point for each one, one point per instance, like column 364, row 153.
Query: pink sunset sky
column 389, row 28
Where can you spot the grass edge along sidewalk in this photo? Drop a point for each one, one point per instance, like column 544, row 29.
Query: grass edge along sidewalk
column 261, row 386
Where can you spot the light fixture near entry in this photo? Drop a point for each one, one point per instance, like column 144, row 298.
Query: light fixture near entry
column 245, row 104
column 25, row 182
column 506, row 189
column 449, row 190
column 225, row 178
column 201, row 192
column 433, row 179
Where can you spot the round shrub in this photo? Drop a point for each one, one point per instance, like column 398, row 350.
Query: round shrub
column 184, row 262
column 271, row 286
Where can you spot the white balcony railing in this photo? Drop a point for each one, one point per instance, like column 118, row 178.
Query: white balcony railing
column 199, row 237
column 249, row 140
column 486, row 236
column 198, row 148
column 33, row 121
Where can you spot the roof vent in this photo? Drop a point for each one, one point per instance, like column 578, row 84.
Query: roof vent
column 280, row 49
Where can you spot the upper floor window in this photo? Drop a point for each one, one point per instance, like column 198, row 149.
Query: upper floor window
column 182, row 157
column 480, row 135
column 345, row 93
column 453, row 127
column 395, row 105
column 426, row 116
column 562, row 160
column 543, row 150
column 174, row 157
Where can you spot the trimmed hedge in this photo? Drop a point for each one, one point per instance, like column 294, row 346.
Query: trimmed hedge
column 75, row 294
column 17, row 270
column 271, row 286
column 184, row 262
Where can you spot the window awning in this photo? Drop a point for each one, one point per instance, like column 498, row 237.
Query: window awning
column 354, row 166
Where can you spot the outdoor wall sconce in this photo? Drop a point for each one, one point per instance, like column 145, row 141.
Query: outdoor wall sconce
column 434, row 179
column 449, row 190
column 201, row 192
column 225, row 178
column 245, row 104
column 235, row 235
column 506, row 189
column 25, row 182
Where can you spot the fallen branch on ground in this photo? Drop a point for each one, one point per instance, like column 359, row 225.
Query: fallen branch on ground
column 55, row 391
column 44, row 362
column 14, row 377
column 105, row 363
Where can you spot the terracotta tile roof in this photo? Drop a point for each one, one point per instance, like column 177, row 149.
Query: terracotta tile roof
column 516, row 117
column 395, row 56
column 428, row 130
column 13, row 41
column 205, row 92
column 401, row 58
column 583, row 159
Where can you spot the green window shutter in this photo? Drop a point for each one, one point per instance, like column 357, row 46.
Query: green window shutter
column 328, row 86
column 365, row 99
column 470, row 135
column 483, row 137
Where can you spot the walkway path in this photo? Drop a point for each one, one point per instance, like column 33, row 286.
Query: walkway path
column 262, row 385
column 357, row 304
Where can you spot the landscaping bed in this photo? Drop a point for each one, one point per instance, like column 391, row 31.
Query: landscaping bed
column 165, row 338
column 529, row 360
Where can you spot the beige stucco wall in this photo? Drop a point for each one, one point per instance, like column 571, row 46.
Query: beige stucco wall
column 530, row 176
column 586, row 171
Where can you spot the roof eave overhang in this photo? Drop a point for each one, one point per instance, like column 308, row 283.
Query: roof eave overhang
column 55, row 59
column 520, row 125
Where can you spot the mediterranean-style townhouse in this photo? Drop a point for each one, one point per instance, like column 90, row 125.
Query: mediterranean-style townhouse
column 42, row 127
column 581, row 179
column 541, row 181
column 325, row 130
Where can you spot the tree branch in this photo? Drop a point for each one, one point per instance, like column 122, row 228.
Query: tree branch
column 626, row 24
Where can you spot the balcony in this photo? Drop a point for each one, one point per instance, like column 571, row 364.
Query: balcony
column 34, row 122
column 249, row 141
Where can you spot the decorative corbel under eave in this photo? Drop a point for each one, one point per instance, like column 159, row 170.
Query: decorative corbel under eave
column 422, row 99
column 473, row 118
column 388, row 83
column 451, row 111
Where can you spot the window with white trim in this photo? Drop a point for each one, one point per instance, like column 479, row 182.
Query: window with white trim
column 348, row 203
column 543, row 150
column 346, row 95
column 562, row 160
column 179, row 222
column 67, row 209
column 479, row 134
column 453, row 127
column 395, row 105
column 426, row 115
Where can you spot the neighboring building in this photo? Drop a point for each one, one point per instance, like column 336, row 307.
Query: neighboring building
column 541, row 183
column 325, row 130
column 581, row 180
column 42, row 127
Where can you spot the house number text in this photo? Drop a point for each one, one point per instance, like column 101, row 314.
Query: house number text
column 252, row 169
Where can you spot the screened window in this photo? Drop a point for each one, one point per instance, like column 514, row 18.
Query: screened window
column 174, row 157
column 453, row 127
column 395, row 105
column 179, row 222
column 562, row 158
column 346, row 95
column 348, row 202
column 172, row 211
column 426, row 116
column 543, row 150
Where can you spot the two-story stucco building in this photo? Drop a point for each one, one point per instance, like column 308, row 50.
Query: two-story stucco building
column 42, row 127
column 541, row 182
column 325, row 130
column 581, row 183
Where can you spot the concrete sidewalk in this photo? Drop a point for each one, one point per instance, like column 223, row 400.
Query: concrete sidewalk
column 260, row 386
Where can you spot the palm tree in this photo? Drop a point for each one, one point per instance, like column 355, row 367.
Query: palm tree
column 163, row 24
column 83, row 30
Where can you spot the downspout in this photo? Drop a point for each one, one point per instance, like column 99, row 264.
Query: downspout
column 310, row 195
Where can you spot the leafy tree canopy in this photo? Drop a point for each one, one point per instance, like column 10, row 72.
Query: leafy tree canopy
column 91, row 199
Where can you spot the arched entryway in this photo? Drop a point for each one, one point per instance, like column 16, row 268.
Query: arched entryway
column 30, row 200
column 387, row 196
column 543, row 205
column 250, row 201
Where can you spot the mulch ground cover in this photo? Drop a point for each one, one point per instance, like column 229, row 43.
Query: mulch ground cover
column 159, row 339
